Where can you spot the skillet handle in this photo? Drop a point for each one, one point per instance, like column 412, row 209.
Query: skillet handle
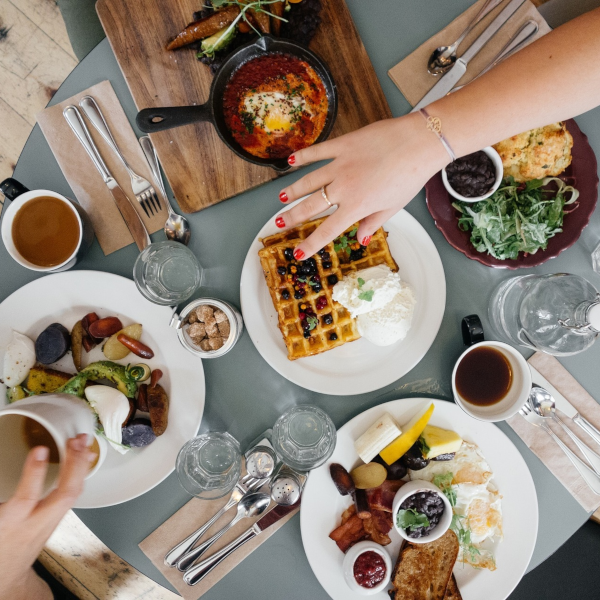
column 151, row 120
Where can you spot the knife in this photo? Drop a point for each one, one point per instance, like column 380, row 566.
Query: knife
column 453, row 76
column 564, row 405
column 202, row 569
column 130, row 216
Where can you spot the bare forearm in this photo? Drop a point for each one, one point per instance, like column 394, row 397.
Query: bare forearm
column 555, row 78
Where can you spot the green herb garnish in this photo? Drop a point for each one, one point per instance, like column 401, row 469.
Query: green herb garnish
column 411, row 519
column 312, row 322
column 444, row 482
column 366, row 295
column 517, row 217
column 361, row 282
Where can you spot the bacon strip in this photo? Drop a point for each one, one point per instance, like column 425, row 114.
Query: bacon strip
column 382, row 497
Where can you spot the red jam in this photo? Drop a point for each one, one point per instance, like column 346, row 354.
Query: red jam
column 369, row 569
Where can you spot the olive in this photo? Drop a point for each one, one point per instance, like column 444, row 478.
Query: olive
column 413, row 459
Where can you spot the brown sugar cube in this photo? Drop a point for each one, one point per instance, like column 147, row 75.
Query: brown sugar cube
column 215, row 343
column 205, row 313
column 205, row 345
column 212, row 330
column 192, row 318
column 220, row 316
column 197, row 331
column 224, row 329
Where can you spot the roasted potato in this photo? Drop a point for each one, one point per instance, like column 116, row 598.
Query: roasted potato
column 114, row 350
column 77, row 344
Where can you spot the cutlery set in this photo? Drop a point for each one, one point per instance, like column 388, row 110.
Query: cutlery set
column 284, row 487
column 176, row 227
column 540, row 409
column 444, row 61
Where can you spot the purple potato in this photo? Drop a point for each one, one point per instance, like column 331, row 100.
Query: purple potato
column 138, row 434
column 52, row 344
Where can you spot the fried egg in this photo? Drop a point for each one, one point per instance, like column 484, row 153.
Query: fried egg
column 477, row 500
column 274, row 112
column 19, row 359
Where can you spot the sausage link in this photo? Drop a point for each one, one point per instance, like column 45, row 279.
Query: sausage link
column 198, row 30
column 135, row 346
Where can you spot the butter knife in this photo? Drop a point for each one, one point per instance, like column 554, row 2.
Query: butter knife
column 453, row 76
column 202, row 569
column 564, row 405
column 130, row 216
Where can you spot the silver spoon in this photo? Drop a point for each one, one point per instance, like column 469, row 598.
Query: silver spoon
column 444, row 57
column 544, row 405
column 251, row 505
column 177, row 228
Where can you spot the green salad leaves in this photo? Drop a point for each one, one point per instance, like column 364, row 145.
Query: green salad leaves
column 518, row 217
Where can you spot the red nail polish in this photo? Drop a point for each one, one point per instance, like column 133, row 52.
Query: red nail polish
column 366, row 240
column 291, row 159
column 280, row 222
column 298, row 254
column 283, row 197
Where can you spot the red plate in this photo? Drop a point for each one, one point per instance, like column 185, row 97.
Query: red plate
column 582, row 174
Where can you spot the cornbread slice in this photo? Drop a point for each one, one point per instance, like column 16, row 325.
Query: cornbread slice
column 42, row 380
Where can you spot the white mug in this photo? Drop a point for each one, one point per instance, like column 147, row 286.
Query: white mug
column 20, row 195
column 64, row 416
column 517, row 394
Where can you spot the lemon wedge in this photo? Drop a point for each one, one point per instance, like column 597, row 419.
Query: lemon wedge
column 411, row 432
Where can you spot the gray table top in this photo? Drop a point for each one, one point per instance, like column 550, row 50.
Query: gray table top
column 244, row 395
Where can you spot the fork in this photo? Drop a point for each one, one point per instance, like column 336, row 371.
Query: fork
column 586, row 473
column 144, row 193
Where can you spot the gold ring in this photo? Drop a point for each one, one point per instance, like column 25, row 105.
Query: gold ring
column 324, row 194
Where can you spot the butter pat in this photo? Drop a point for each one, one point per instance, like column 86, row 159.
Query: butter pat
column 384, row 431
column 438, row 441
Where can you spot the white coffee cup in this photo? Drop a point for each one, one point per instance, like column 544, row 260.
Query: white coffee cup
column 21, row 196
column 517, row 394
column 64, row 416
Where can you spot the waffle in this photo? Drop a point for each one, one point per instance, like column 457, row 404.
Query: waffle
column 319, row 303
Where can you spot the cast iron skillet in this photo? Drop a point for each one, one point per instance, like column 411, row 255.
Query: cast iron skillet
column 151, row 120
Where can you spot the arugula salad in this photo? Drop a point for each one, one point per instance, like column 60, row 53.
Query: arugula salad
column 518, row 217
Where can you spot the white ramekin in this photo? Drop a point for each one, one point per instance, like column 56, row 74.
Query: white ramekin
column 348, row 567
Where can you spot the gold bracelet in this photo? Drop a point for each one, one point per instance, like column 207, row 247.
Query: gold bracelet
column 434, row 124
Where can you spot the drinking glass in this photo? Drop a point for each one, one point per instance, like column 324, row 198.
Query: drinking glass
column 167, row 273
column 304, row 437
column 209, row 465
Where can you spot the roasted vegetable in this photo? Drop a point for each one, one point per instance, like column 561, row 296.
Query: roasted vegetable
column 363, row 511
column 43, row 380
column 139, row 372
column 259, row 19
column 203, row 28
column 158, row 407
column 368, row 476
column 414, row 459
column 138, row 434
column 52, row 344
column 103, row 328
column 218, row 41
column 341, row 478
column 114, row 350
column 142, row 398
column 277, row 8
column 103, row 369
column 89, row 341
column 77, row 344
column 155, row 377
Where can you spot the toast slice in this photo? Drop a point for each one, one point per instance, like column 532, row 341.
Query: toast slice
column 452, row 591
column 423, row 571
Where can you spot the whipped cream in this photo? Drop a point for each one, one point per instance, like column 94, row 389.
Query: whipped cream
column 380, row 301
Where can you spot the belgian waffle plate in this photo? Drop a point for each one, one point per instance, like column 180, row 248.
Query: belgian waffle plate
column 357, row 367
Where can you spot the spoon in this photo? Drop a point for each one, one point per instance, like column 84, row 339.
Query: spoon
column 177, row 228
column 544, row 405
column 251, row 505
column 443, row 58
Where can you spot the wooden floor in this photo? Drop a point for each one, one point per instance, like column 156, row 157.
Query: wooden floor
column 35, row 58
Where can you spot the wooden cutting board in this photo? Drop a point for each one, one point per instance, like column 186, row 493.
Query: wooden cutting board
column 200, row 168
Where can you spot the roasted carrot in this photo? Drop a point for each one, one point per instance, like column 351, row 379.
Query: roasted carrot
column 277, row 9
column 198, row 30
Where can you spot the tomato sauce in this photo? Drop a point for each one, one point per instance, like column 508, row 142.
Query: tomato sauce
column 369, row 569
column 274, row 105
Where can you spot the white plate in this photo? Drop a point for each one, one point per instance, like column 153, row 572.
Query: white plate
column 322, row 505
column 65, row 298
column 357, row 367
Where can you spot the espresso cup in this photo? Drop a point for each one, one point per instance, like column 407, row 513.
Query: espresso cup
column 517, row 394
column 62, row 416
column 20, row 196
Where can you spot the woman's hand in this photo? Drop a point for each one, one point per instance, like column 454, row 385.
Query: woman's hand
column 375, row 172
column 27, row 521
